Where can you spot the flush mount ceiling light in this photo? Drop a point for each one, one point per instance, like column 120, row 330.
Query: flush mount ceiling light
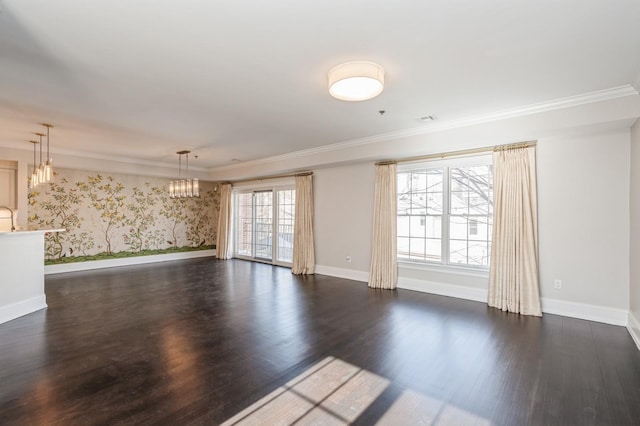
column 356, row 81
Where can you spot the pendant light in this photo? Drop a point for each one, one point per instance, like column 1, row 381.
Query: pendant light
column 48, row 168
column 34, row 174
column 41, row 164
column 184, row 188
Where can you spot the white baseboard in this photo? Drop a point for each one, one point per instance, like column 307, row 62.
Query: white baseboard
column 16, row 310
column 442, row 289
column 584, row 311
column 347, row 274
column 137, row 260
column 634, row 329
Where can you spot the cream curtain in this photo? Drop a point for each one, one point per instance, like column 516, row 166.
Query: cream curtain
column 384, row 263
column 304, row 260
column 223, row 238
column 513, row 278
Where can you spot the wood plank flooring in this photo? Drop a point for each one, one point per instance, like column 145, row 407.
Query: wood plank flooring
column 202, row 341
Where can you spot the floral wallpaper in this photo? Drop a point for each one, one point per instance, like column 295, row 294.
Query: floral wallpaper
column 111, row 215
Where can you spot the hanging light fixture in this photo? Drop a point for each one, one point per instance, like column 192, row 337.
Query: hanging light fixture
column 48, row 168
column 356, row 81
column 34, row 175
column 41, row 164
column 187, row 187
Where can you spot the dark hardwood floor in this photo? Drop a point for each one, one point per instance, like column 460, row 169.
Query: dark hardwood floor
column 197, row 341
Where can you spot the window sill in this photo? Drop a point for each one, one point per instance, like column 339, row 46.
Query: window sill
column 444, row 269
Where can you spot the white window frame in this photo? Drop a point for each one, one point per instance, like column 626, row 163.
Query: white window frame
column 274, row 187
column 444, row 265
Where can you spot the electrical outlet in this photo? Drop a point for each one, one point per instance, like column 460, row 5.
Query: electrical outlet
column 557, row 284
column 348, row 258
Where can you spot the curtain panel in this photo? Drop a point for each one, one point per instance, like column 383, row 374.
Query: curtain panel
column 384, row 262
column 513, row 277
column 223, row 238
column 304, row 261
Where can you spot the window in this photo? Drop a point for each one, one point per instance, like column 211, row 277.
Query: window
column 259, row 215
column 445, row 212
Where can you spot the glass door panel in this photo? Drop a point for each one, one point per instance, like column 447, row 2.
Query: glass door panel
column 263, row 223
column 286, row 216
column 244, row 224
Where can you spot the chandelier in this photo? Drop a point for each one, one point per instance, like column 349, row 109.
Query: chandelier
column 187, row 187
column 48, row 168
column 42, row 171
column 34, row 175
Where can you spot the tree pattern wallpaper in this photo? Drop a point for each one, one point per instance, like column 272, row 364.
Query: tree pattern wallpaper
column 108, row 216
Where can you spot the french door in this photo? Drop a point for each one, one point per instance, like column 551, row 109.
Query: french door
column 263, row 225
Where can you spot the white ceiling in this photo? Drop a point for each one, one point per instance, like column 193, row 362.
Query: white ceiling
column 247, row 79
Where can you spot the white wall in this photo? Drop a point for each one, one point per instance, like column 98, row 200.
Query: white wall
column 583, row 190
column 634, row 287
column 583, row 206
column 343, row 203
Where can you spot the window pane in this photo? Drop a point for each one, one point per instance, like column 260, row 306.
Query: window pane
column 481, row 171
column 403, row 226
column 459, row 203
column 263, row 202
column 434, row 226
column 244, row 228
column 478, row 253
column 286, row 216
column 478, row 228
column 459, row 180
column 403, row 247
column 418, row 203
column 434, row 203
column 404, row 185
column 458, row 227
column 404, row 203
column 416, row 246
column 434, row 250
column 434, row 180
column 419, row 182
column 422, row 214
column 478, row 204
column 417, row 226
column 457, row 251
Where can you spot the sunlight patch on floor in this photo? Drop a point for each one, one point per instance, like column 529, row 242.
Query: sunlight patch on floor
column 330, row 392
column 334, row 392
column 417, row 409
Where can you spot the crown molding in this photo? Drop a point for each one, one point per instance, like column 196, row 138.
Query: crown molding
column 103, row 157
column 434, row 127
column 567, row 102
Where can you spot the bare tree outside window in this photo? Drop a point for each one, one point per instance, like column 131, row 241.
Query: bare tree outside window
column 445, row 215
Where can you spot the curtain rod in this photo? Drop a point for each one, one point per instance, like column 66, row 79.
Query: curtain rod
column 458, row 153
column 269, row 177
